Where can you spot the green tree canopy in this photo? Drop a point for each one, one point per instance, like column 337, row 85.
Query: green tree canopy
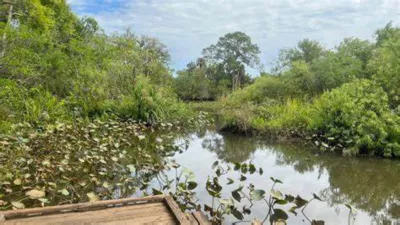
column 234, row 51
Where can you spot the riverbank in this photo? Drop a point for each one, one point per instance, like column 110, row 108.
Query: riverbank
column 354, row 119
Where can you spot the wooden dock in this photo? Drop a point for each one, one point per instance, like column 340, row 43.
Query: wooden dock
column 147, row 210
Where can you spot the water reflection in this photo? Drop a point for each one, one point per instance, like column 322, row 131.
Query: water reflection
column 371, row 185
column 229, row 147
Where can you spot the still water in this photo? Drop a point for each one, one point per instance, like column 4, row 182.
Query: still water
column 371, row 185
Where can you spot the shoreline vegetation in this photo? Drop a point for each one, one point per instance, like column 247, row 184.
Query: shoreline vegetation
column 57, row 67
column 342, row 99
column 79, row 106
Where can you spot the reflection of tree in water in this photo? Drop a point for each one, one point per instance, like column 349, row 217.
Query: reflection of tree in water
column 369, row 184
column 372, row 185
column 230, row 147
column 301, row 159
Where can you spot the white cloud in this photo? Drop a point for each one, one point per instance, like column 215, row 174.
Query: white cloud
column 187, row 26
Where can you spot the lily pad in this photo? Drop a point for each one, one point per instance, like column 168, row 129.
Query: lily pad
column 35, row 194
column 18, row 205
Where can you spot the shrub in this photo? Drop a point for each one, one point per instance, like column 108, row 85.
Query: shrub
column 35, row 106
column 264, row 89
column 385, row 66
column 358, row 115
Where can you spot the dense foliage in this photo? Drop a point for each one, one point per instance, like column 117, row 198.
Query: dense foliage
column 57, row 66
column 81, row 106
column 346, row 98
column 220, row 70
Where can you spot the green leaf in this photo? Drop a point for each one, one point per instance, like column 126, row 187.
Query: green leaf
column 35, row 194
column 299, row 202
column 226, row 202
column 244, row 168
column 325, row 145
column 44, row 200
column 277, row 195
column 106, row 185
column 252, row 168
column 207, row 208
column 215, row 164
column 246, row 210
column 192, row 185
column 318, row 222
column 131, row 168
column 64, row 192
column 17, row 182
column 157, row 192
column 236, row 196
column 261, row 171
column 243, row 178
column 238, row 215
column 281, row 202
column 230, row 181
column 317, row 197
column 18, row 205
column 293, row 210
column 289, row 198
column 92, row 197
column 237, row 167
column 257, row 195
column 218, row 172
column 276, row 180
column 352, row 209
column 279, row 214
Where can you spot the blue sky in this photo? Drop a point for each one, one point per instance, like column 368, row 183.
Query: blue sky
column 188, row 26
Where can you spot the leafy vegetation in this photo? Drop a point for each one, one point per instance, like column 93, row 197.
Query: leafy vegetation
column 220, row 70
column 56, row 66
column 79, row 110
column 342, row 99
column 82, row 161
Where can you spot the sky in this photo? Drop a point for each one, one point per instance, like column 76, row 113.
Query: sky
column 188, row 26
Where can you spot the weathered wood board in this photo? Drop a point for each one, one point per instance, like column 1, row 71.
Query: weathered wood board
column 148, row 210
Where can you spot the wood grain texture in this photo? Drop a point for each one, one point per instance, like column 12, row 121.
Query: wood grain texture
column 147, row 210
column 80, row 207
column 201, row 218
column 152, row 213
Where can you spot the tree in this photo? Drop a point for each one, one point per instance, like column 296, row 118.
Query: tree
column 234, row 51
column 386, row 33
column 356, row 48
column 306, row 50
column 334, row 69
column 385, row 67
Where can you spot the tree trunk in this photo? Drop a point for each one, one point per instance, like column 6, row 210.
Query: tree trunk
column 9, row 17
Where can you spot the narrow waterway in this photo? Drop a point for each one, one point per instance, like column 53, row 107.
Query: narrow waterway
column 371, row 185
column 105, row 160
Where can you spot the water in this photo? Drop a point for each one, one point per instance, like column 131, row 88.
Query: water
column 114, row 160
column 371, row 185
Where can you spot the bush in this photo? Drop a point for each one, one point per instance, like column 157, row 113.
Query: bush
column 385, row 66
column 150, row 103
column 293, row 114
column 358, row 116
column 35, row 106
column 265, row 89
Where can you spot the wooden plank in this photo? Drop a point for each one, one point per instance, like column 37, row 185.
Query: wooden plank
column 148, row 210
column 180, row 216
column 80, row 207
column 201, row 218
column 139, row 214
